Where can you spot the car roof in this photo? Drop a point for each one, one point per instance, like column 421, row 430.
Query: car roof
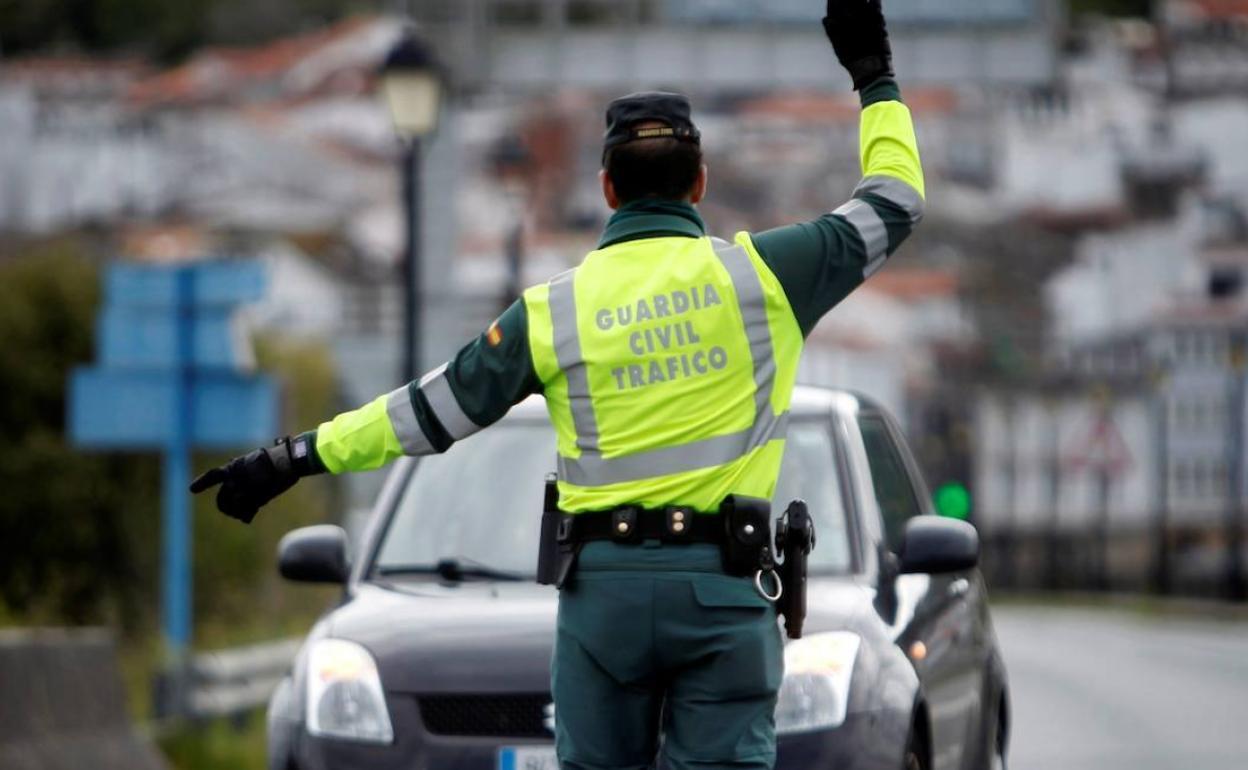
column 808, row 401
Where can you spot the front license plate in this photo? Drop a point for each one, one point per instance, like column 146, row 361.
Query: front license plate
column 528, row 758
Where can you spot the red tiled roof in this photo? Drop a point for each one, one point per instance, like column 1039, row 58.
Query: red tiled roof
column 811, row 108
column 829, row 336
column 913, row 284
column 1204, row 311
column 219, row 72
column 71, row 65
column 1227, row 254
column 162, row 243
column 841, row 108
column 1108, row 217
column 74, row 73
column 1220, row 9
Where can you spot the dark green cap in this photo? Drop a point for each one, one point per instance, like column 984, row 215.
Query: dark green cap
column 672, row 110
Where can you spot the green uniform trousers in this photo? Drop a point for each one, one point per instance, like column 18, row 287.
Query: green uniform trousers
column 658, row 652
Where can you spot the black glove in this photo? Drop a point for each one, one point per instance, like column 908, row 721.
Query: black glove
column 860, row 39
column 251, row 481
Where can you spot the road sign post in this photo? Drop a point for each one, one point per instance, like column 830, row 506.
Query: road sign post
column 172, row 376
column 176, row 599
column 1105, row 453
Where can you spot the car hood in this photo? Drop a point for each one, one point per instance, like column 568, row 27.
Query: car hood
column 431, row 638
column 489, row 637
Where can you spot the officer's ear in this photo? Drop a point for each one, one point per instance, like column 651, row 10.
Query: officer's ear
column 699, row 187
column 608, row 190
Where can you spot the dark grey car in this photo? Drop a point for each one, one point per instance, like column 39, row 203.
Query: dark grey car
column 437, row 656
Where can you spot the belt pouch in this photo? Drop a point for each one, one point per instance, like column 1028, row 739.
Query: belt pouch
column 548, row 549
column 747, row 539
column 566, row 552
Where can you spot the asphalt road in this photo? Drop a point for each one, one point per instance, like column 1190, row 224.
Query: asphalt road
column 1106, row 688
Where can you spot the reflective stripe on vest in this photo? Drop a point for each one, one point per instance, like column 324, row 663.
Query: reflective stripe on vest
column 592, row 468
column 436, row 387
column 567, row 339
column 404, row 423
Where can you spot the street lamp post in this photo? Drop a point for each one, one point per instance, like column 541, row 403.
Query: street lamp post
column 411, row 83
column 1238, row 399
column 1161, row 468
column 512, row 163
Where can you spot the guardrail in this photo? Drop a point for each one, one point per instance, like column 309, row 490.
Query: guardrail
column 225, row 683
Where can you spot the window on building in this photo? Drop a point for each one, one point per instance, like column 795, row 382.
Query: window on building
column 517, row 13
column 1181, row 416
column 1182, row 346
column 1218, row 479
column 1219, row 350
column 1201, row 479
column 1181, row 478
column 1217, row 414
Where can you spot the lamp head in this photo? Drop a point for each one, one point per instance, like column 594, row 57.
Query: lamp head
column 411, row 81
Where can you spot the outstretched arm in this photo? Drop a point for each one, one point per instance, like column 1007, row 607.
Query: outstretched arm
column 470, row 392
column 820, row 262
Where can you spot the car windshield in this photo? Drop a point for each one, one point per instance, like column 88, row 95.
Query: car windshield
column 479, row 504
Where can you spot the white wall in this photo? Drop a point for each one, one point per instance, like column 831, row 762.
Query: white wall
column 1121, row 279
column 1219, row 127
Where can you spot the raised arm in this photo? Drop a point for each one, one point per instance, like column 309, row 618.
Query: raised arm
column 470, row 392
column 820, row 262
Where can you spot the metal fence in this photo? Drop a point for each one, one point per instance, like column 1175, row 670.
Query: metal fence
column 225, row 683
column 1120, row 490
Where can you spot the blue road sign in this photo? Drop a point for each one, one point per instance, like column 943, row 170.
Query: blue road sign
column 168, row 378
column 224, row 283
column 136, row 337
column 130, row 409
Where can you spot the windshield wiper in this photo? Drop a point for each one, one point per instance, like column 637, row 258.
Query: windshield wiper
column 454, row 570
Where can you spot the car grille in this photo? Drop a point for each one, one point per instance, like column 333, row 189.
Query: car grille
column 512, row 716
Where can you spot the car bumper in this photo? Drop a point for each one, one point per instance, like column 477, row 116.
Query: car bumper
column 413, row 748
column 319, row 754
column 866, row 741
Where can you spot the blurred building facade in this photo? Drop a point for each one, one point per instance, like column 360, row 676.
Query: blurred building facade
column 1038, row 338
column 1121, row 464
column 697, row 44
column 281, row 152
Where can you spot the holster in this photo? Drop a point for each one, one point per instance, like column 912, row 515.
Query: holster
column 795, row 539
column 556, row 554
column 747, row 535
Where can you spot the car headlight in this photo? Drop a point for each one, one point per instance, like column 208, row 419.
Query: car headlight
column 345, row 699
column 815, row 692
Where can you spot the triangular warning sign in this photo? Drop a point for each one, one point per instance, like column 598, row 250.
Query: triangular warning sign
column 1102, row 449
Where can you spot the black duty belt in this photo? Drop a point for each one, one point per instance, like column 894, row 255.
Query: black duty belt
column 634, row 524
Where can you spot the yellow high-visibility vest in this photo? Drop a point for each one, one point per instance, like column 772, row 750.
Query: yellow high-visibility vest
column 668, row 365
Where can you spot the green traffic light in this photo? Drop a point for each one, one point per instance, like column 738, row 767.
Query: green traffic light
column 953, row 500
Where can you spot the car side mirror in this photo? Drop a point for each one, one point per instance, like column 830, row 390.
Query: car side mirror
column 935, row 545
column 314, row 555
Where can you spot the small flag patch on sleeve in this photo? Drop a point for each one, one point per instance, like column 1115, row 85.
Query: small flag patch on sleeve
column 494, row 335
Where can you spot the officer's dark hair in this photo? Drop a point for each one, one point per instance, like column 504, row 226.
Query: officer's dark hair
column 664, row 168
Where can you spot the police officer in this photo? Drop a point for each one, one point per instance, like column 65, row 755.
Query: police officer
column 667, row 360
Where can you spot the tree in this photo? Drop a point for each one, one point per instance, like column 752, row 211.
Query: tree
column 79, row 531
column 165, row 29
column 73, row 525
